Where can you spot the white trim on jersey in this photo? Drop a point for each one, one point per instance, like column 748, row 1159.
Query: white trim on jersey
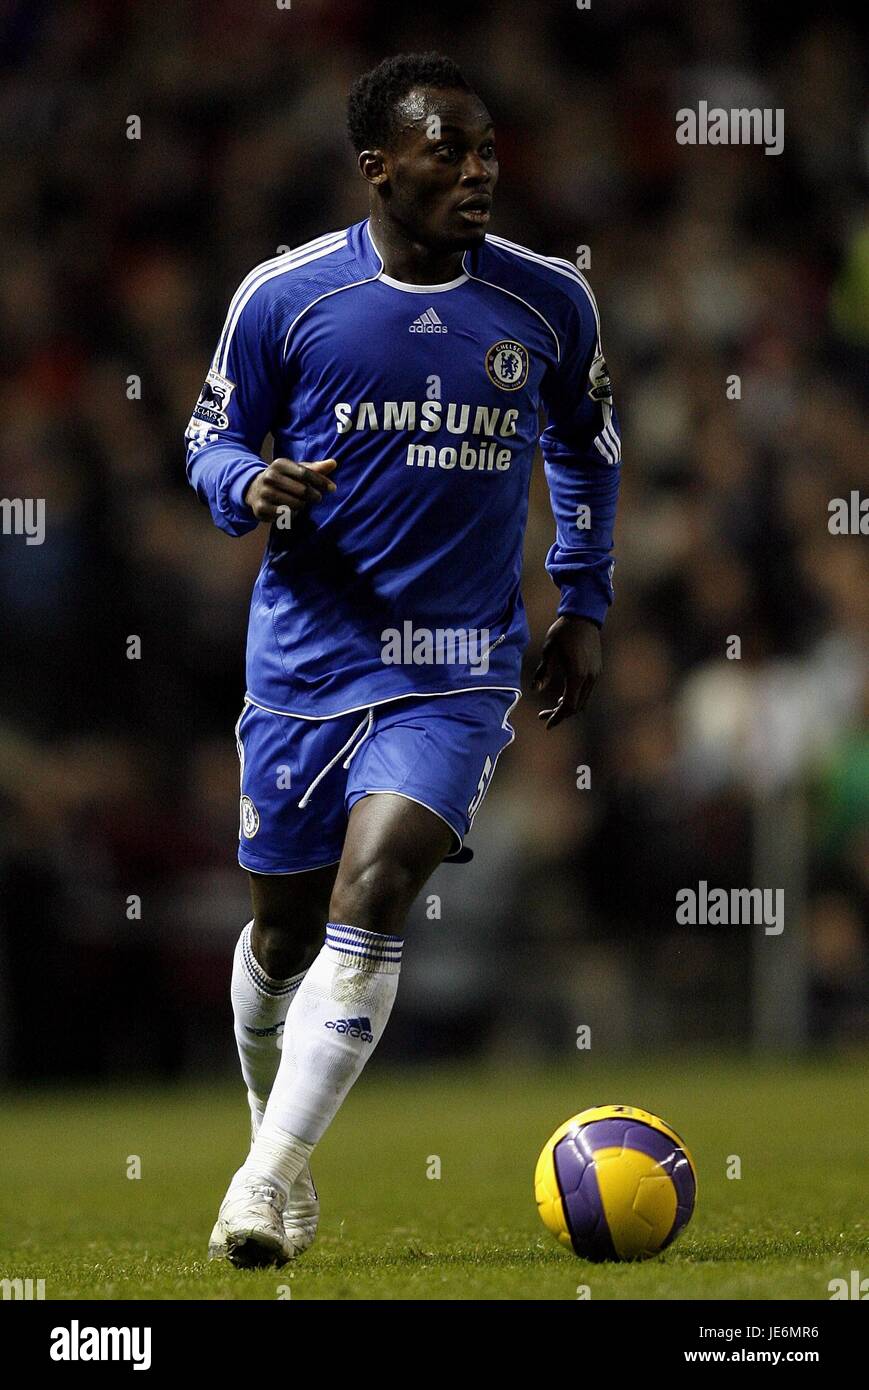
column 422, row 289
column 604, row 448
column 554, row 263
column 402, row 284
column 287, row 259
column 480, row 281
column 372, row 704
column 260, row 275
column 611, row 435
column 338, row 290
column 607, row 442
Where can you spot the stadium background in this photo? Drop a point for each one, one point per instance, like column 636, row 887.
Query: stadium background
column 120, row 777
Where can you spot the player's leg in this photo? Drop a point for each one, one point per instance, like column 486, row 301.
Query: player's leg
column 271, row 958
column 270, row 962
column 429, row 768
column 338, row 1014
column 291, row 853
column 342, row 1008
column 392, row 848
column 291, row 857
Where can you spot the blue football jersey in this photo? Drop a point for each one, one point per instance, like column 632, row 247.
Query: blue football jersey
column 406, row 580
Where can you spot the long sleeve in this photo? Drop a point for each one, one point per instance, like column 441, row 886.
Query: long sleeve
column 236, row 408
column 581, row 449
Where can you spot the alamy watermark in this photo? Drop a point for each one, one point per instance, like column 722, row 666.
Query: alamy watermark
column 24, row 1290
column 754, row 907
column 439, row 646
column 77, row 1343
column 849, row 516
column 852, row 1287
column 23, row 516
column 741, row 125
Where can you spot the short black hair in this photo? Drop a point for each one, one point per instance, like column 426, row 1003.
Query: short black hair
column 374, row 96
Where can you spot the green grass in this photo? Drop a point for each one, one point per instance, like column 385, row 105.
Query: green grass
column 795, row 1219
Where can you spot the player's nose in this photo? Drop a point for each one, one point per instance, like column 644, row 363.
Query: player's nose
column 475, row 169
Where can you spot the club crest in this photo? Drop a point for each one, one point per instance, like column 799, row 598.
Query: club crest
column 249, row 818
column 507, row 364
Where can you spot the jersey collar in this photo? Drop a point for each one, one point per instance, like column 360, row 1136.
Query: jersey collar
column 373, row 264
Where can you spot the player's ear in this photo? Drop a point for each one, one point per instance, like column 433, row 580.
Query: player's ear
column 372, row 166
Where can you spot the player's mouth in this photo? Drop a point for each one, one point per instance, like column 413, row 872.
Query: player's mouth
column 477, row 210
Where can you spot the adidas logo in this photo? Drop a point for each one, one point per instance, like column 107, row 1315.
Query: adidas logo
column 428, row 323
column 353, row 1027
column 268, row 1032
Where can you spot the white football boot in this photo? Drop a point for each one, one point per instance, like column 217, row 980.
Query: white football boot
column 300, row 1217
column 249, row 1230
column 302, row 1213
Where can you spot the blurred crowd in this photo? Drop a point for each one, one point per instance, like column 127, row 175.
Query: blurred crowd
column 734, row 293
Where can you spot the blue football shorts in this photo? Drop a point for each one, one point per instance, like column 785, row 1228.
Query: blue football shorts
column 300, row 778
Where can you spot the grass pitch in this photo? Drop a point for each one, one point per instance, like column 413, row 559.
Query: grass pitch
column 794, row 1220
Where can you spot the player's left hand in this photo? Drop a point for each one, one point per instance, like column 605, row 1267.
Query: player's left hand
column 570, row 663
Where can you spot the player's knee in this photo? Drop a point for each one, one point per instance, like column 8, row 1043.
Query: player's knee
column 375, row 895
column 284, row 946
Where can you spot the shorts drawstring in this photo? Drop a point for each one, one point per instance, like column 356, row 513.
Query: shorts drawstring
column 350, row 756
column 363, row 728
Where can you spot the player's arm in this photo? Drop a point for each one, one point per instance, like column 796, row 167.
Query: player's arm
column 244, row 389
column 581, row 449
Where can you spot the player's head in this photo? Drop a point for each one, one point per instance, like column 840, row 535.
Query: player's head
column 425, row 143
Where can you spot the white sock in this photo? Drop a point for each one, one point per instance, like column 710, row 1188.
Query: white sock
column 334, row 1024
column 259, row 1008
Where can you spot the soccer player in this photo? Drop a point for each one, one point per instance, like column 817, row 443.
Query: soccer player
column 399, row 365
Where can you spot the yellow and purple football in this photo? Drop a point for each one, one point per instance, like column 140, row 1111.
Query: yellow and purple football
column 615, row 1183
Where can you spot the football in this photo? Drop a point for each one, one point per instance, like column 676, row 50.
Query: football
column 615, row 1183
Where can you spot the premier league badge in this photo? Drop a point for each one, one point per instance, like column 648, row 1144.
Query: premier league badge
column 213, row 401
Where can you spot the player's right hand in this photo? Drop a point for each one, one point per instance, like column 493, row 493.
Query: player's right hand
column 290, row 485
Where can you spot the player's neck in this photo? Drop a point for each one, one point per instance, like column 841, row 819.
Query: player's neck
column 410, row 261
